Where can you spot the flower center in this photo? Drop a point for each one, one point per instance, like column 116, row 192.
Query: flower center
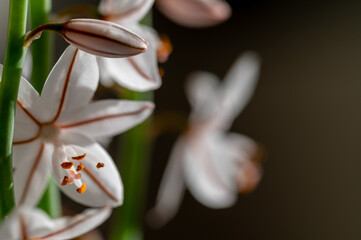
column 49, row 133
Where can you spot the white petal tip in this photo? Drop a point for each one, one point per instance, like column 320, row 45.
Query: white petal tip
column 156, row 219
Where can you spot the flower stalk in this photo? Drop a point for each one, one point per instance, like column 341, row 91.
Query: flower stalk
column 14, row 59
column 133, row 162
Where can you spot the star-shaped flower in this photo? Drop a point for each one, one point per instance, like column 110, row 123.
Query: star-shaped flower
column 213, row 164
column 58, row 128
column 139, row 73
column 195, row 13
column 31, row 223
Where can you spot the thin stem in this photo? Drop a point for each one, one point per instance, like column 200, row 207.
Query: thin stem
column 134, row 159
column 14, row 59
column 42, row 55
column 133, row 162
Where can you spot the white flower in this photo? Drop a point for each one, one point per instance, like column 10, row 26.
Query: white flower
column 61, row 125
column 29, row 223
column 139, row 73
column 213, row 164
column 195, row 13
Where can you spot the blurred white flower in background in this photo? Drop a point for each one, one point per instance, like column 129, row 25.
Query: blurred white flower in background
column 195, row 13
column 138, row 73
column 214, row 165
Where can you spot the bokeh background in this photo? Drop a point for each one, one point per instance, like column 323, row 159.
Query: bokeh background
column 305, row 111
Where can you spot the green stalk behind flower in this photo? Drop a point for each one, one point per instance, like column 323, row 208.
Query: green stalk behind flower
column 133, row 161
column 14, row 59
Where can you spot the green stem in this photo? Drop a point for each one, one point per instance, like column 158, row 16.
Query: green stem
column 40, row 49
column 14, row 59
column 42, row 54
column 134, row 161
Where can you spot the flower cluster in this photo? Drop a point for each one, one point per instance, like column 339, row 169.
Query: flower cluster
column 57, row 131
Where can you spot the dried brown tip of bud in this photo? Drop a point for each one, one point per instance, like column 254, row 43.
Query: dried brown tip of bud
column 100, row 165
column 102, row 38
column 66, row 165
column 80, row 157
column 82, row 189
column 36, row 33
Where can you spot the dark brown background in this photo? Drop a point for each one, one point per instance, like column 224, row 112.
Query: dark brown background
column 305, row 111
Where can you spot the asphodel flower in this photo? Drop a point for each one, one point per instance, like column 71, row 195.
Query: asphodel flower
column 139, row 73
column 214, row 165
column 57, row 130
column 195, row 13
column 98, row 37
column 34, row 224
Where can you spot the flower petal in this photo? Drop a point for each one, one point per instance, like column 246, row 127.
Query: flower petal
column 107, row 117
column 71, row 84
column 25, row 152
column 238, row 87
column 208, row 171
column 71, row 227
column 246, row 154
column 171, row 190
column 139, row 73
column 104, row 185
column 195, row 13
column 26, row 128
column 29, row 101
column 29, row 223
column 10, row 228
column 31, row 176
column 125, row 10
column 201, row 89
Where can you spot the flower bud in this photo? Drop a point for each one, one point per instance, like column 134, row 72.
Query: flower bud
column 102, row 38
column 97, row 37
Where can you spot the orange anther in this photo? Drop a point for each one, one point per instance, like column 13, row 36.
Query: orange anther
column 66, row 165
column 80, row 157
column 80, row 167
column 100, row 165
column 161, row 71
column 164, row 49
column 82, row 188
column 77, row 176
column 65, row 181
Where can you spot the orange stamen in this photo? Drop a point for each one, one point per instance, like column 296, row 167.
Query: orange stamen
column 164, row 49
column 80, row 167
column 82, row 188
column 161, row 71
column 80, row 157
column 65, row 181
column 100, row 165
column 66, row 165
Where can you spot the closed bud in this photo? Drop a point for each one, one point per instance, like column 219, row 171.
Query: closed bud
column 97, row 37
